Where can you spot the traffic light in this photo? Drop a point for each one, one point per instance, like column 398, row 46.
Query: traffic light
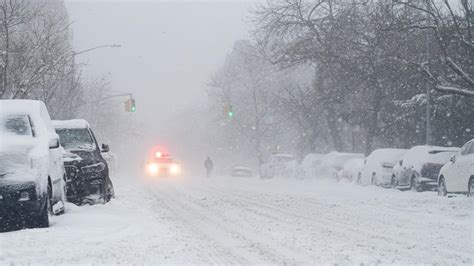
column 228, row 111
column 133, row 108
column 127, row 105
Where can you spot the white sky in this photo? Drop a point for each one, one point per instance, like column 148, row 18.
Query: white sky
column 169, row 49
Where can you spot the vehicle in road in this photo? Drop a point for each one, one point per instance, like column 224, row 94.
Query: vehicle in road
column 276, row 165
column 333, row 162
column 350, row 169
column 378, row 167
column 457, row 176
column 88, row 180
column 162, row 165
column 32, row 178
column 241, row 171
column 310, row 164
column 420, row 167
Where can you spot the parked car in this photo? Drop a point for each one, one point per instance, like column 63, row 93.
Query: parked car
column 420, row 167
column 350, row 169
column 88, row 179
column 332, row 162
column 310, row 164
column 457, row 176
column 378, row 167
column 276, row 165
column 241, row 171
column 31, row 170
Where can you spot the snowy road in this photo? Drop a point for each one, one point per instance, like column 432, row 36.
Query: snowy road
column 250, row 221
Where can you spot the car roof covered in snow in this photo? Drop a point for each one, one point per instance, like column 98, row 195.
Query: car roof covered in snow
column 389, row 155
column 73, row 123
column 418, row 155
column 20, row 106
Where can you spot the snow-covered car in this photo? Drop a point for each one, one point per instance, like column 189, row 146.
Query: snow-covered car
column 310, row 164
column 420, row 167
column 378, row 167
column 333, row 162
column 31, row 169
column 241, row 171
column 351, row 169
column 457, row 176
column 88, row 179
column 162, row 165
column 276, row 165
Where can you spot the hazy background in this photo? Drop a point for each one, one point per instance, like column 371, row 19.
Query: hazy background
column 169, row 50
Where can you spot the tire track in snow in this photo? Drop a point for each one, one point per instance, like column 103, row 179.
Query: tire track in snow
column 257, row 249
column 344, row 229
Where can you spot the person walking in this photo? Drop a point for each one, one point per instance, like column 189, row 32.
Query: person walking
column 209, row 166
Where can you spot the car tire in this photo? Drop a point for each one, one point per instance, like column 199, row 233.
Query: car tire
column 359, row 179
column 373, row 181
column 414, row 185
column 442, row 190
column 470, row 188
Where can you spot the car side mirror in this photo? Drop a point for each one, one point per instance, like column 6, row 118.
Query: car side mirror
column 453, row 159
column 53, row 142
column 105, row 148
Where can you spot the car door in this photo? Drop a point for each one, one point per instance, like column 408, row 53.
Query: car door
column 464, row 162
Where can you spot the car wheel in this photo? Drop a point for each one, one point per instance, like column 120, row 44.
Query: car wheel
column 373, row 181
column 442, row 190
column 392, row 183
column 470, row 188
column 359, row 179
column 413, row 184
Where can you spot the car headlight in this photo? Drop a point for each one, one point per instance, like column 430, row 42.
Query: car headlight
column 175, row 169
column 152, row 168
column 94, row 168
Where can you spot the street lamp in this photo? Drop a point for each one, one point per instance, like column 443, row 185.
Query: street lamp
column 73, row 58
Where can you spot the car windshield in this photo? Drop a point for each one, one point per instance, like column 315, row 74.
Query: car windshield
column 76, row 139
column 16, row 125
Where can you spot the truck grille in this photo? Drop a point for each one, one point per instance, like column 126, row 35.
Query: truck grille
column 71, row 172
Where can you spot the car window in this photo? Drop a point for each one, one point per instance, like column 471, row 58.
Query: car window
column 16, row 125
column 466, row 149
column 471, row 149
column 76, row 139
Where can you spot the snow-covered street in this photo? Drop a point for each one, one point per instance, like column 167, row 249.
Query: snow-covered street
column 251, row 221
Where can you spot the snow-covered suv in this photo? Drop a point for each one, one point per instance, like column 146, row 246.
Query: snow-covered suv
column 420, row 167
column 457, row 175
column 276, row 166
column 32, row 179
column 88, row 179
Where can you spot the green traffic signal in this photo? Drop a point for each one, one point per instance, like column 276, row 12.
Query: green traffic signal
column 230, row 114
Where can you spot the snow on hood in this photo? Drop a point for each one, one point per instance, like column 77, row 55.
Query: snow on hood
column 69, row 156
column 73, row 123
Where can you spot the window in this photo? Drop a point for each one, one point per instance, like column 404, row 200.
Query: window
column 16, row 125
column 466, row 148
column 74, row 139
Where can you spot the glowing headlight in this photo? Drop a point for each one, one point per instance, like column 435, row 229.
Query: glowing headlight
column 174, row 169
column 152, row 168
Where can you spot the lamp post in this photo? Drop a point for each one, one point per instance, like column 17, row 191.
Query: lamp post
column 73, row 59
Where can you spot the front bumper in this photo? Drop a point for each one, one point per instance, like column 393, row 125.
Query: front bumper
column 82, row 186
column 13, row 201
